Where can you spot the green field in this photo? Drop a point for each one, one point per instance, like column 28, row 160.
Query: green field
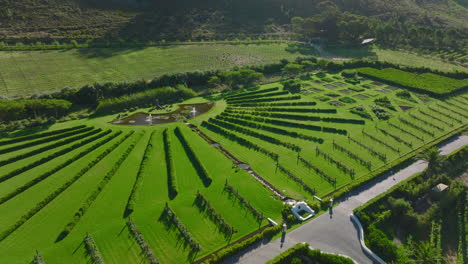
column 28, row 72
column 37, row 204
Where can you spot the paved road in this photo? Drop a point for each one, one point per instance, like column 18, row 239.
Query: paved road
column 334, row 232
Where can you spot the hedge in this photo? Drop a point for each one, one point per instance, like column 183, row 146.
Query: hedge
column 48, row 147
column 53, row 156
column 292, row 110
column 45, row 140
column 302, row 250
column 242, row 141
column 271, row 99
column 92, row 249
column 139, row 177
column 39, row 135
column 235, row 248
column 171, row 178
column 195, row 161
column 102, row 184
column 256, row 96
column 275, row 104
column 251, row 93
column 60, row 190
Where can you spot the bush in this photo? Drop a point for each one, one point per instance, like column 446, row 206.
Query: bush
column 171, row 179
column 293, row 86
column 347, row 100
column 39, row 135
column 380, row 244
column 301, row 253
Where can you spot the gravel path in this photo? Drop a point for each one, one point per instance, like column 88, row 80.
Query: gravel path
column 334, row 231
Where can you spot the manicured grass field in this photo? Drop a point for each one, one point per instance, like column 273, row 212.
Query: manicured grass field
column 37, row 205
column 31, row 72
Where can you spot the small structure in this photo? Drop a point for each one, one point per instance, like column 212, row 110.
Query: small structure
column 302, row 211
column 438, row 190
column 368, row 41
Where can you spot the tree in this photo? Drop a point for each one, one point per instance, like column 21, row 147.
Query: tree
column 425, row 253
column 293, row 86
column 433, row 158
column 292, row 68
column 214, row 81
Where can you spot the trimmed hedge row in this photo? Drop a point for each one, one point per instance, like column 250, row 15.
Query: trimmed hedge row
column 269, row 128
column 39, row 135
column 92, row 249
column 195, row 161
column 170, row 216
column 292, row 110
column 350, row 154
column 426, row 122
column 275, row 104
column 382, row 157
column 242, row 141
column 102, row 184
column 145, row 247
column 380, row 141
column 45, row 140
column 254, row 134
column 397, row 138
column 318, row 171
column 171, row 178
column 406, row 131
column 413, row 125
column 48, row 147
column 272, row 99
column 256, row 96
column 292, row 124
column 60, row 190
column 251, row 93
column 301, row 117
column 302, row 250
column 218, row 220
column 296, row 179
column 445, row 114
column 235, row 248
column 243, row 201
column 55, row 169
column 139, row 177
column 338, row 164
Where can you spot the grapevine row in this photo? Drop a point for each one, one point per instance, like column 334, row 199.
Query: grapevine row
column 397, row 138
column 445, row 115
column 318, row 171
column 406, row 131
column 338, row 164
column 382, row 157
column 296, row 179
column 39, row 135
column 350, row 154
column 380, row 141
column 426, row 122
column 411, row 124
column 170, row 215
column 204, row 205
column 92, row 249
column 145, row 247
column 259, row 216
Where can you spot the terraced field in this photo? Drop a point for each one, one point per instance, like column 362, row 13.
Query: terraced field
column 87, row 190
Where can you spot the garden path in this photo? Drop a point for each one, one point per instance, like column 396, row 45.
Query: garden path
column 334, row 231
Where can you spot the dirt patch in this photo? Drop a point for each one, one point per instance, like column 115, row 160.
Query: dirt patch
column 339, row 84
column 335, row 103
column 345, row 91
column 377, row 83
column 315, row 89
column 360, row 96
column 330, row 86
column 425, row 100
column 382, row 90
column 405, row 107
column 393, row 88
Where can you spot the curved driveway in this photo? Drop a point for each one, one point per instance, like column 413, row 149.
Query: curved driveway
column 334, row 232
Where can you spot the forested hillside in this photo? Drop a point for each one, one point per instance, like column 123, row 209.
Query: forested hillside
column 221, row 19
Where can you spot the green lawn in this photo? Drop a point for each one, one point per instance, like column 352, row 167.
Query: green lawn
column 105, row 219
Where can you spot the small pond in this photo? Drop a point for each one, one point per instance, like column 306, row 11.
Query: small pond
column 184, row 111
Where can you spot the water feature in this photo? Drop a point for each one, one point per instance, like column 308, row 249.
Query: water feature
column 184, row 111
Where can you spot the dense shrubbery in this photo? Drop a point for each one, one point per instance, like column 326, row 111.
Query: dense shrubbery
column 338, row 164
column 293, row 86
column 171, row 218
column 361, row 111
column 254, row 134
column 242, row 141
column 92, row 249
column 145, row 247
column 218, row 220
column 195, row 161
column 405, row 95
column 347, row 100
column 425, row 82
column 380, row 112
column 48, row 147
column 22, row 109
column 301, row 254
column 237, row 120
column 224, row 253
column 60, row 190
column 39, row 135
column 259, row 216
column 162, row 96
column 171, row 178
column 384, row 102
column 139, row 177
column 240, row 77
column 238, row 95
column 296, row 179
column 380, row 141
column 101, row 185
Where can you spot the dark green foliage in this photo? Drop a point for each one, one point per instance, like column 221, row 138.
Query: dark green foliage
column 92, row 249
column 405, row 95
column 347, row 100
column 242, row 141
column 337, row 163
column 275, row 104
column 195, row 161
column 219, row 221
column 60, row 190
column 293, row 86
column 171, row 177
column 384, row 102
column 22, row 109
column 243, row 201
column 101, row 185
column 39, row 135
column 240, row 77
column 381, row 113
column 145, row 247
column 349, row 73
column 238, row 95
column 170, row 217
column 139, row 177
column 380, row 244
column 302, row 254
